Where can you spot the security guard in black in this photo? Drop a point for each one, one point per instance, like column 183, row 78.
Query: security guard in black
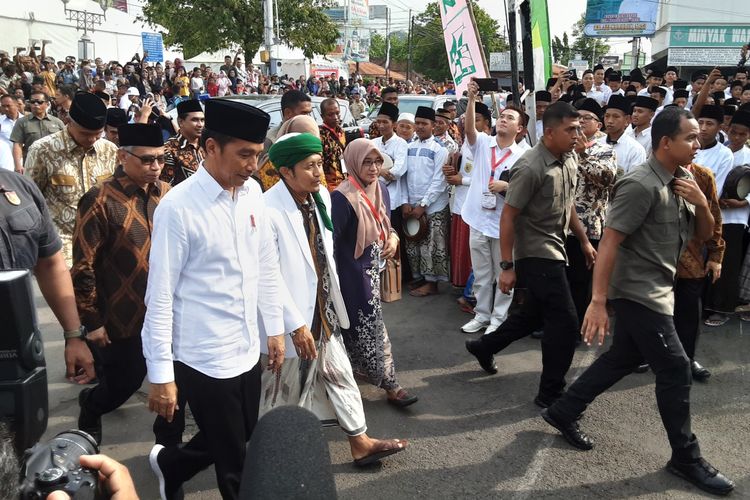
column 26, row 229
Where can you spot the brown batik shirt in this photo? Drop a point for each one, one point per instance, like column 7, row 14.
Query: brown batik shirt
column 111, row 245
column 181, row 160
column 333, row 152
column 692, row 262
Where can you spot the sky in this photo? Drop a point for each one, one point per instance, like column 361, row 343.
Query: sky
column 563, row 14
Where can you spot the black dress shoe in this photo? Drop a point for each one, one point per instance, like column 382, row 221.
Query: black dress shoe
column 571, row 432
column 87, row 421
column 700, row 372
column 703, row 475
column 543, row 402
column 486, row 361
column 641, row 368
column 539, row 334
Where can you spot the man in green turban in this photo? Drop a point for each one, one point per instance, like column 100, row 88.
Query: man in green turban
column 316, row 363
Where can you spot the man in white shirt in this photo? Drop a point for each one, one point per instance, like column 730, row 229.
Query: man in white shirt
column 443, row 121
column 493, row 158
column 542, row 100
column 427, row 195
column 460, row 230
column 739, row 134
column 681, row 97
column 723, row 294
column 628, row 152
column 395, row 177
column 697, row 79
column 213, row 266
column 600, row 85
column 644, row 110
column 614, row 82
column 9, row 110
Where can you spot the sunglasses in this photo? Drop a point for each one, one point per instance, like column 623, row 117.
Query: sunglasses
column 148, row 159
column 37, row 101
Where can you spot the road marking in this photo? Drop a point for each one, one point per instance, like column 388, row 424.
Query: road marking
column 526, row 485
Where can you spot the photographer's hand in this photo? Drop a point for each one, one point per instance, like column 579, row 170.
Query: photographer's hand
column 114, row 479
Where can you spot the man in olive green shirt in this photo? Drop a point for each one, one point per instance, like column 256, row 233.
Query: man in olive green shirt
column 655, row 210
column 538, row 211
column 32, row 127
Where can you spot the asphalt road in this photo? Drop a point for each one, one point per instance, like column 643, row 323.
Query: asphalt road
column 478, row 436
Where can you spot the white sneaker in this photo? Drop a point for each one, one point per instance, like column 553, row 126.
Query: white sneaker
column 491, row 328
column 474, row 326
column 152, row 460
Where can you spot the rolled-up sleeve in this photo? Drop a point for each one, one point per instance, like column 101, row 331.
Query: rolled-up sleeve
column 169, row 251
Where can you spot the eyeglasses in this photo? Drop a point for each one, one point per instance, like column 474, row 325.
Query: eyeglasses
column 148, row 159
column 370, row 163
column 37, row 101
column 588, row 118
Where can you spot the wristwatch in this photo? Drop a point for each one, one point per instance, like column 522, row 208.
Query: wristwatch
column 78, row 333
column 506, row 265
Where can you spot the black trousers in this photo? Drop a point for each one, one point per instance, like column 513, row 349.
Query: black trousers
column 579, row 276
column 226, row 411
column 397, row 223
column 641, row 333
column 122, row 373
column 687, row 312
column 546, row 303
column 723, row 296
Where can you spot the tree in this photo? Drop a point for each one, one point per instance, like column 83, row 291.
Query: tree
column 198, row 26
column 562, row 52
column 399, row 47
column 428, row 48
column 590, row 48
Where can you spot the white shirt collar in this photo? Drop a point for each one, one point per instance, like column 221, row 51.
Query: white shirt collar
column 212, row 188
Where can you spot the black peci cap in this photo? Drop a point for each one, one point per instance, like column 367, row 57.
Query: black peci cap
column 238, row 120
column 88, row 111
column 140, row 134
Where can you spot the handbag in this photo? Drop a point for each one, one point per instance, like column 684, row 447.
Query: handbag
column 390, row 280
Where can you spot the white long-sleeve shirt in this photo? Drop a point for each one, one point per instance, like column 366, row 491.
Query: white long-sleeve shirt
column 738, row 215
column 720, row 160
column 397, row 149
column 643, row 138
column 425, row 180
column 628, row 152
column 466, row 169
column 213, row 266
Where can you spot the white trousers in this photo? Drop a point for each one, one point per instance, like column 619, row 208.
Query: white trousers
column 492, row 305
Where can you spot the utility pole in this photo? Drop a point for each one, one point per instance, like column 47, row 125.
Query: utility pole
column 512, row 34
column 387, row 43
column 267, row 34
column 411, row 35
column 636, row 52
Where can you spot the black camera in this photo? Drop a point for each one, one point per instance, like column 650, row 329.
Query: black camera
column 55, row 466
column 23, row 374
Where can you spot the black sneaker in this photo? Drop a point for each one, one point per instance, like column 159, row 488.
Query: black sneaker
column 88, row 421
column 703, row 475
column 167, row 491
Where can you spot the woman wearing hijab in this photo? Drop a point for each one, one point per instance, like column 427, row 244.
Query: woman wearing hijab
column 363, row 240
column 224, row 83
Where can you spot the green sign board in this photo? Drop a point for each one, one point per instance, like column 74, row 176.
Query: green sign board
column 709, row 36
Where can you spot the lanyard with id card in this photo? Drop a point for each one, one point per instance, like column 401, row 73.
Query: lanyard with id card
column 489, row 199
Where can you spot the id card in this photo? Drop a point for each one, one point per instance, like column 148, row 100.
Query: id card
column 489, row 201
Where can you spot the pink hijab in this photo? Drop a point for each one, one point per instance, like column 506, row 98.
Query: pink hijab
column 371, row 228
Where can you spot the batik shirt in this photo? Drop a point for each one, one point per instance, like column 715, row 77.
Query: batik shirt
column 181, row 160
column 64, row 172
column 334, row 142
column 597, row 169
column 111, row 244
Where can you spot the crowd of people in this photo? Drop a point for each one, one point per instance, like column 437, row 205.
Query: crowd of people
column 240, row 268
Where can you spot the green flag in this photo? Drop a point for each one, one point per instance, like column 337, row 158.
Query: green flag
column 540, row 43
